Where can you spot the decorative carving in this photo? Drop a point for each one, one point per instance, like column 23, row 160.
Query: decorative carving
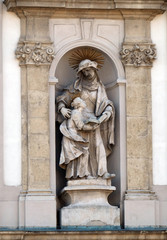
column 34, row 53
column 138, row 55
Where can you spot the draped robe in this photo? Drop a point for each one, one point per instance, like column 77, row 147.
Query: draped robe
column 86, row 155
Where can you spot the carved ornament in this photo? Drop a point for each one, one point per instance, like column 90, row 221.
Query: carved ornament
column 138, row 55
column 34, row 53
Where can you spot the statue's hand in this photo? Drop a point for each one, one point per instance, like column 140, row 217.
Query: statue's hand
column 66, row 112
column 107, row 115
column 95, row 126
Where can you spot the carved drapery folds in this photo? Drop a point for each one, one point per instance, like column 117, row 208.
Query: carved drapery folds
column 35, row 53
column 138, row 55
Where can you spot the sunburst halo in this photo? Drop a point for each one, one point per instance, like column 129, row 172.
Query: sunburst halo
column 83, row 53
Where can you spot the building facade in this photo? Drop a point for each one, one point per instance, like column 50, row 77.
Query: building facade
column 37, row 39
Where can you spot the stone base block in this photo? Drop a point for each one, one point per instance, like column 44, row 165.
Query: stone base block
column 98, row 215
column 88, row 204
column 161, row 191
column 37, row 211
column 140, row 209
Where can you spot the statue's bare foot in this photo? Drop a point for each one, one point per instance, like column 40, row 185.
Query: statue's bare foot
column 108, row 175
column 90, row 177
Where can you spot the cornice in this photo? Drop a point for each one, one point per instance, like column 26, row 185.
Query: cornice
column 86, row 4
column 147, row 14
column 108, row 9
column 139, row 4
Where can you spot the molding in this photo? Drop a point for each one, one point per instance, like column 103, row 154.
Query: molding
column 140, row 195
column 107, row 9
column 87, row 234
column 140, row 4
column 116, row 83
column 138, row 54
column 95, row 4
column 140, row 13
column 105, row 4
column 34, row 53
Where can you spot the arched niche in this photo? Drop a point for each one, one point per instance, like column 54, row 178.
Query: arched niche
column 66, row 75
column 112, row 76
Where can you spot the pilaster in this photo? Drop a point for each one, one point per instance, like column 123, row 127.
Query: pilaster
column 137, row 54
column 35, row 54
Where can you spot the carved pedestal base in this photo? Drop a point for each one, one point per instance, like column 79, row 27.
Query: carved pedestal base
column 88, row 204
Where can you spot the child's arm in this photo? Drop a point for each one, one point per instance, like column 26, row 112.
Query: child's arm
column 89, row 127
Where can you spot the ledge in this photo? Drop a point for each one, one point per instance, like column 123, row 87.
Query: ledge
column 82, row 235
column 86, row 4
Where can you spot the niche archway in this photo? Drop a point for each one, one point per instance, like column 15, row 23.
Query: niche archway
column 112, row 76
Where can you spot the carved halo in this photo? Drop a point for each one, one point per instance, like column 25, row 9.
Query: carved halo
column 81, row 54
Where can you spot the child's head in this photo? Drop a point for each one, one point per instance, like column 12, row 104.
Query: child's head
column 78, row 102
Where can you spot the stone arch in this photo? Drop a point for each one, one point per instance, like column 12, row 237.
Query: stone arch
column 111, row 53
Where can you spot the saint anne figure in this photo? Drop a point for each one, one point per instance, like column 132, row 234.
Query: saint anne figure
column 84, row 152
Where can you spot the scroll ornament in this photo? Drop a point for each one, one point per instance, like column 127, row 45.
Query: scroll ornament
column 138, row 55
column 36, row 53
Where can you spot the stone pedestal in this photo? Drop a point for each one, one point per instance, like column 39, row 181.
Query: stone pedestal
column 88, row 204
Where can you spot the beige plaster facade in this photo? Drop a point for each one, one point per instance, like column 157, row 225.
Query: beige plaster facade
column 120, row 29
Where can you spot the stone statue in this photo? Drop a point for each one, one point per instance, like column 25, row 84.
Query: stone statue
column 88, row 128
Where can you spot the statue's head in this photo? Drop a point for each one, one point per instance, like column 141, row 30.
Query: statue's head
column 87, row 64
column 87, row 68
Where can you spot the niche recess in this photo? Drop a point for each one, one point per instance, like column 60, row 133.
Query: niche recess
column 115, row 89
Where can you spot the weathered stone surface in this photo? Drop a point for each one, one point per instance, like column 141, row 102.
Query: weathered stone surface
column 24, row 162
column 38, row 125
column 82, row 235
column 88, row 204
column 141, row 4
column 137, row 76
column 137, row 147
column 39, row 173
column 136, row 107
column 136, row 126
column 137, row 31
column 38, row 103
column 38, row 77
column 154, row 4
column 136, row 91
column 138, row 173
column 38, row 146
